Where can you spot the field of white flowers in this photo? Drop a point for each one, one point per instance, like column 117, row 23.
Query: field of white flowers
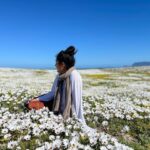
column 116, row 105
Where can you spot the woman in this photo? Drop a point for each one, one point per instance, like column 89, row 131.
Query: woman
column 65, row 96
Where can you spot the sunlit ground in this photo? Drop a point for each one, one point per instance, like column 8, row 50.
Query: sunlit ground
column 116, row 104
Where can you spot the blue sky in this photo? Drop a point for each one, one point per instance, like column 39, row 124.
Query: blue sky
column 105, row 32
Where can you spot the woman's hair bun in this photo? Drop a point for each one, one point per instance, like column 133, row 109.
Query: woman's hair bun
column 70, row 51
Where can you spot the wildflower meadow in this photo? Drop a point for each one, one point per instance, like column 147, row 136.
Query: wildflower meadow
column 116, row 109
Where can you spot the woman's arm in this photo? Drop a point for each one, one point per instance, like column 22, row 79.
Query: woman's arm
column 50, row 95
column 76, row 84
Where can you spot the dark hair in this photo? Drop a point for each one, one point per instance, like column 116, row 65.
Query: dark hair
column 67, row 56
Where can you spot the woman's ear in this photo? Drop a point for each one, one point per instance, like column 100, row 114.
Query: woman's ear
column 64, row 66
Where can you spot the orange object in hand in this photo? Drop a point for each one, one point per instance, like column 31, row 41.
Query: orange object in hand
column 35, row 105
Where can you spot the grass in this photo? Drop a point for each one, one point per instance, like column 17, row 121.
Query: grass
column 97, row 76
column 138, row 135
column 40, row 72
column 106, row 84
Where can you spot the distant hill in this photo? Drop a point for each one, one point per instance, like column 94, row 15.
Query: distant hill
column 141, row 64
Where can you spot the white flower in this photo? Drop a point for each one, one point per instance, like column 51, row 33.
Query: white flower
column 104, row 141
column 18, row 148
column 36, row 131
column 12, row 144
column 40, row 148
column 15, row 108
column 92, row 141
column 128, row 117
column 27, row 137
column 42, row 126
column 51, row 137
column 65, row 143
column 110, row 146
column 67, row 132
column 95, row 118
column 105, row 123
column 114, row 140
column 38, row 142
column 4, row 131
column 7, row 136
column 103, row 148
column 125, row 128
column 73, row 143
column 56, row 143
column 69, row 126
column 57, row 137
column 87, row 147
column 119, row 146
column 47, row 146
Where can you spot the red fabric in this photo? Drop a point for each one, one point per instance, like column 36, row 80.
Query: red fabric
column 35, row 105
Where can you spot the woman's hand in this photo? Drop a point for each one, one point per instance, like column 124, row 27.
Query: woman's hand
column 34, row 99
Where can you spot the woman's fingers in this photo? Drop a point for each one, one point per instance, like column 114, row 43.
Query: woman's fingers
column 35, row 99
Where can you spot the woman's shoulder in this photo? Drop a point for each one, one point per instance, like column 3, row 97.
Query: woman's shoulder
column 75, row 75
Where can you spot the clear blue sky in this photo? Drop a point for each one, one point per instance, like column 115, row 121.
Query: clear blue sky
column 105, row 32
